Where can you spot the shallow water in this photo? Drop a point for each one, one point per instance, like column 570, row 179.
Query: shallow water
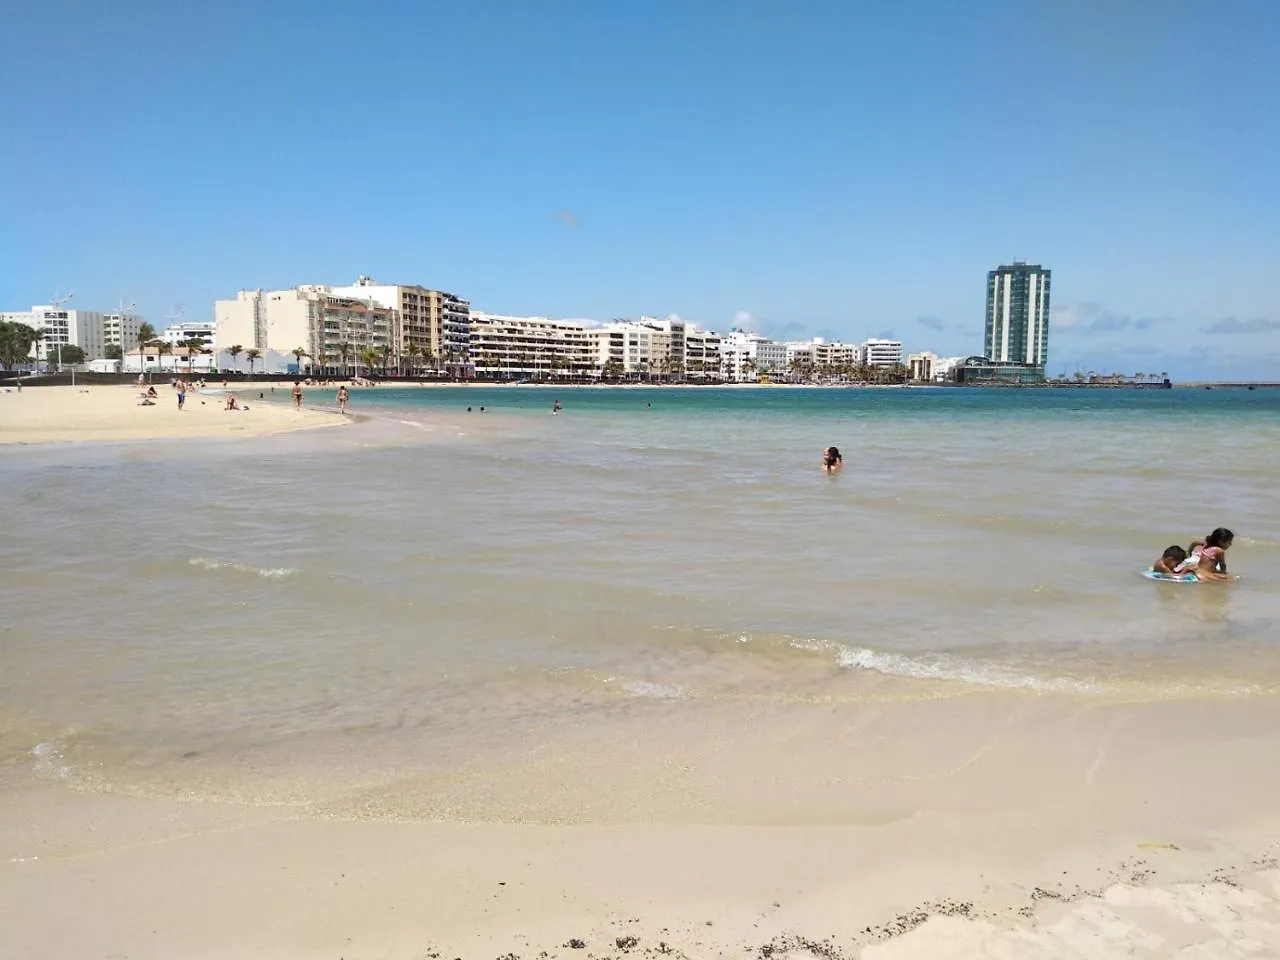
column 360, row 605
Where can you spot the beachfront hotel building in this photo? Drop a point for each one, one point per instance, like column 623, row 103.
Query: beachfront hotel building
column 431, row 321
column 519, row 348
column 746, row 357
column 333, row 331
column 702, row 357
column 879, row 352
column 1017, row 329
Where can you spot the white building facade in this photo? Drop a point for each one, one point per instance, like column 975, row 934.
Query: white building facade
column 518, row 348
column 177, row 334
column 878, row 352
column 61, row 327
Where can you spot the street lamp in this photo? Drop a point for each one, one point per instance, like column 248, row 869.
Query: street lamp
column 57, row 303
column 124, row 350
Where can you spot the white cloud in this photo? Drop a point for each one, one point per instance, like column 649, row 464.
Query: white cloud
column 1232, row 325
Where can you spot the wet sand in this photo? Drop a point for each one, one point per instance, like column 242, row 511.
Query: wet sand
column 1066, row 831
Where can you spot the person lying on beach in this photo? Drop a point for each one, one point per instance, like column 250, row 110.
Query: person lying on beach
column 831, row 459
column 1170, row 561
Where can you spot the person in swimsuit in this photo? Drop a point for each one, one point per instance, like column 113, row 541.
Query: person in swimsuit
column 1208, row 558
column 342, row 399
column 297, row 395
column 831, row 459
column 1169, row 561
column 182, row 392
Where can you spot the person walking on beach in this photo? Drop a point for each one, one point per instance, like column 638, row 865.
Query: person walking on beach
column 297, row 395
column 343, row 397
column 181, row 386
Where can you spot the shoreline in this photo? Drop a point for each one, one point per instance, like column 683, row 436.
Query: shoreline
column 98, row 413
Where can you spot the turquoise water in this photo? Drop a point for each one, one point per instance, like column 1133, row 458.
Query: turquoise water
column 430, row 589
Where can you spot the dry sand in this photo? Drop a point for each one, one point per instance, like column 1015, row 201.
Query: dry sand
column 1009, row 826
column 70, row 414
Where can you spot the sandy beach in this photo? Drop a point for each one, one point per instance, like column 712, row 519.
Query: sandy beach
column 72, row 414
column 1033, row 827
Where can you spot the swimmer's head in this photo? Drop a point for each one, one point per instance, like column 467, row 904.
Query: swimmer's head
column 1221, row 537
column 1174, row 555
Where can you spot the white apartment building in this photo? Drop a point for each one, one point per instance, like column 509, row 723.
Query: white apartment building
column 921, row 366
column 819, row 357
column 430, row 320
column 177, row 334
column 332, row 331
column 621, row 348
column 517, row 348
column 746, row 357
column 881, row 353
column 702, row 359
column 59, row 326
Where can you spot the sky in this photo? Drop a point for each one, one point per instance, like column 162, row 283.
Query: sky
column 805, row 168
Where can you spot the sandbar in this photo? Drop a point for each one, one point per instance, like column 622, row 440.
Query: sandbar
column 66, row 414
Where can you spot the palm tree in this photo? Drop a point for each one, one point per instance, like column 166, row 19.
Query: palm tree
column 345, row 350
column 298, row 354
column 195, row 347
column 234, row 351
column 369, row 357
column 146, row 333
column 384, row 352
column 253, row 354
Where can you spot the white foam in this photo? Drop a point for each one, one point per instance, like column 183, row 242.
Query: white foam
column 49, row 761
column 267, row 573
column 944, row 667
column 647, row 689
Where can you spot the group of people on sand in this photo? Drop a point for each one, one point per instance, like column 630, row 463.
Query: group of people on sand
column 1204, row 559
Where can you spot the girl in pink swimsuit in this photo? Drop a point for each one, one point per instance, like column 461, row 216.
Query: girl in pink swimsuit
column 1208, row 561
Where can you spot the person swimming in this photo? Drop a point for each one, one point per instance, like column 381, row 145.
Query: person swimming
column 1170, row 561
column 1207, row 558
column 831, row 459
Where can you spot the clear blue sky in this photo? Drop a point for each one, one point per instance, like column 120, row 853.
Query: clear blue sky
column 825, row 166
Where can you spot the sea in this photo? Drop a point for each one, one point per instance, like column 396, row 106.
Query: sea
column 461, row 590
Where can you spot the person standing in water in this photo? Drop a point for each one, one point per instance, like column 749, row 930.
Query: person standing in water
column 555, row 407
column 342, row 398
column 831, row 459
column 297, row 395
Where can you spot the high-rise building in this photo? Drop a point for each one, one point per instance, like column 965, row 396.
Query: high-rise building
column 1018, row 314
column 120, row 330
column 59, row 327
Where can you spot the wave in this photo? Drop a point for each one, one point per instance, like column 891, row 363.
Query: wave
column 267, row 573
column 942, row 667
column 648, row 689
